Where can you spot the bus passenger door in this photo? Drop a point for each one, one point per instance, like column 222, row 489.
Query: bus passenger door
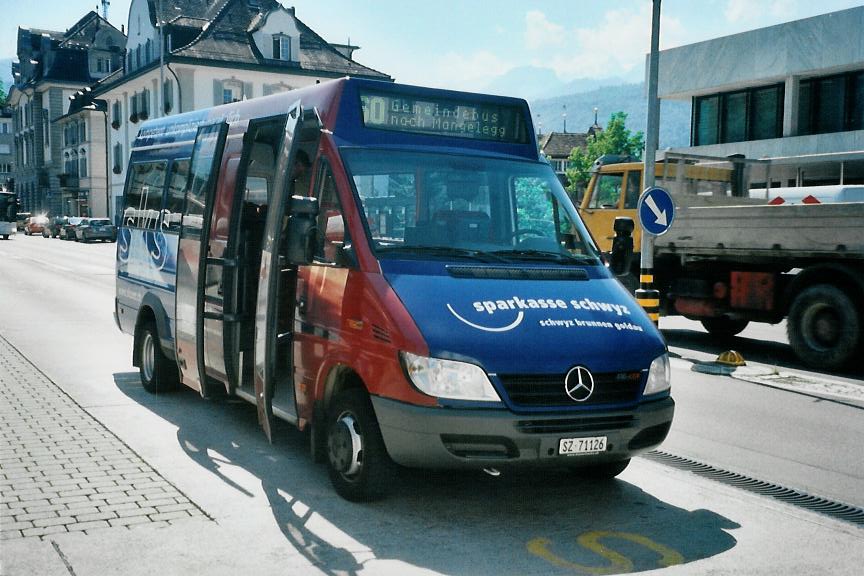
column 191, row 253
column 275, row 306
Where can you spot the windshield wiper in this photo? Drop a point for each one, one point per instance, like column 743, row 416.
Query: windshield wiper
column 442, row 251
column 543, row 255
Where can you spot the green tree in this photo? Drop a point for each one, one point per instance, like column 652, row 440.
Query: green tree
column 2, row 94
column 615, row 139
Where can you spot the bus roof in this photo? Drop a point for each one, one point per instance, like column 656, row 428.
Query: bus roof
column 362, row 112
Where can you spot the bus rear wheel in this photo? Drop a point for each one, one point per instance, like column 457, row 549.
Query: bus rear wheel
column 158, row 373
column 357, row 460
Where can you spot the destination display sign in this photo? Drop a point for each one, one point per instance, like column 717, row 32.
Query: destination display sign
column 444, row 117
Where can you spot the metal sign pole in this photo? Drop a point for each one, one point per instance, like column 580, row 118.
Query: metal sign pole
column 646, row 296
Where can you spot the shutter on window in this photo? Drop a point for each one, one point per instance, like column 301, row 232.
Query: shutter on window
column 247, row 90
column 268, row 89
column 276, row 52
column 295, row 48
column 217, row 93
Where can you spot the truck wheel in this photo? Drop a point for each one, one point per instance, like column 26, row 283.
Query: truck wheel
column 357, row 461
column 605, row 471
column 158, row 373
column 723, row 326
column 824, row 327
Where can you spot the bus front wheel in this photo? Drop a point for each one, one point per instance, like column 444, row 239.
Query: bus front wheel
column 357, row 461
column 158, row 373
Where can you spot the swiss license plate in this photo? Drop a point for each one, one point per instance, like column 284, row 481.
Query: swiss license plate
column 590, row 445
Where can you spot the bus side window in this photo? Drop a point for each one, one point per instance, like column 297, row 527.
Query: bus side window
column 144, row 196
column 332, row 232
column 173, row 212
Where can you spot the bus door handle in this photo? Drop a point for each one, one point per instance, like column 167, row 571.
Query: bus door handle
column 221, row 317
column 224, row 262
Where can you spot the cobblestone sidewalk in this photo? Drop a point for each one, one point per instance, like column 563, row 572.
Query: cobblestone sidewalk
column 62, row 471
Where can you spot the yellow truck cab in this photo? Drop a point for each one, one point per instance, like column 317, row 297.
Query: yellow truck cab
column 616, row 183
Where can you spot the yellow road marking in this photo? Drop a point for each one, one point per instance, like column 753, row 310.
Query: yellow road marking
column 618, row 563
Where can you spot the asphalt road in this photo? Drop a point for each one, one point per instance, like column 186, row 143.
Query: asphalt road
column 272, row 510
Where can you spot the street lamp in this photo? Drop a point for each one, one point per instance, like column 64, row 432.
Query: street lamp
column 100, row 105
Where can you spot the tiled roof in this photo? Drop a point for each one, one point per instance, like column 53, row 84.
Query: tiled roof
column 227, row 39
column 559, row 144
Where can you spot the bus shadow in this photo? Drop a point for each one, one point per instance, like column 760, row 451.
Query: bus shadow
column 448, row 522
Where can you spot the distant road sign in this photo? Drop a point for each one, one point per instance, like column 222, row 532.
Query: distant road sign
column 656, row 211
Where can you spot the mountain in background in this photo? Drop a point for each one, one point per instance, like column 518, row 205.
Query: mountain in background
column 533, row 83
column 627, row 98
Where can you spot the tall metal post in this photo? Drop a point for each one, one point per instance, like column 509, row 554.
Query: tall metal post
column 161, row 98
column 647, row 297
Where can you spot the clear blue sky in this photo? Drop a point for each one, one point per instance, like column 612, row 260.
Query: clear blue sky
column 466, row 44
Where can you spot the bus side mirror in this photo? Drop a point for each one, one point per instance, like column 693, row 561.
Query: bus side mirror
column 622, row 246
column 302, row 232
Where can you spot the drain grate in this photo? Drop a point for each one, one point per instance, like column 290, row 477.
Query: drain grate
column 831, row 508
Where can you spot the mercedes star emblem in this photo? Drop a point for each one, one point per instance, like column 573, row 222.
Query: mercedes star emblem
column 579, row 384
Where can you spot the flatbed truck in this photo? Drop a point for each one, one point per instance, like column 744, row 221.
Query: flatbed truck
column 730, row 258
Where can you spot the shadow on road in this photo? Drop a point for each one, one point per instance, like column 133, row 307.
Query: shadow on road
column 777, row 354
column 466, row 522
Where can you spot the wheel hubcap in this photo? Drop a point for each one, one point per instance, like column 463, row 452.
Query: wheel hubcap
column 824, row 327
column 346, row 446
column 148, row 356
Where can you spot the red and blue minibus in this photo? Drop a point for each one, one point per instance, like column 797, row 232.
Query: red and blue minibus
column 396, row 270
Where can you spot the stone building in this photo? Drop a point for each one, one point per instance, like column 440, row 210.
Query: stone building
column 7, row 148
column 51, row 67
column 192, row 54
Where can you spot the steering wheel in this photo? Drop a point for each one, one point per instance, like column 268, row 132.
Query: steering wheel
column 524, row 231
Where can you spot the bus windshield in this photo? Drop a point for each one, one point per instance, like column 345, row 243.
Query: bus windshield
column 422, row 205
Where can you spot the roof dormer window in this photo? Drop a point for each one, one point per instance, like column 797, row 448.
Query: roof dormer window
column 282, row 47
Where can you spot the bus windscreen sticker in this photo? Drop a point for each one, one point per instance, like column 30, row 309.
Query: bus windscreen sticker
column 489, row 121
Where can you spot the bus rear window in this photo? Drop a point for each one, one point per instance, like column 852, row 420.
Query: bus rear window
column 144, row 195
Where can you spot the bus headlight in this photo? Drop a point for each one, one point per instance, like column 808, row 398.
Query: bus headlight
column 449, row 378
column 658, row 375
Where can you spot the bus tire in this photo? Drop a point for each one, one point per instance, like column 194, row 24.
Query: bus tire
column 723, row 326
column 357, row 460
column 824, row 327
column 158, row 373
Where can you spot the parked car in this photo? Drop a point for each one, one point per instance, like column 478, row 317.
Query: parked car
column 96, row 229
column 34, row 225
column 21, row 219
column 67, row 232
column 54, row 226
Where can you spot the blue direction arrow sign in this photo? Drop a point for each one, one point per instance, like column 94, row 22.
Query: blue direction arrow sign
column 656, row 211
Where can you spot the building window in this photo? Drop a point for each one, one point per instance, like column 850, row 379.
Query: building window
column 82, row 164
column 168, row 95
column 231, row 92
column 831, row 104
column 753, row 114
column 82, row 131
column 118, row 158
column 116, row 117
column 282, row 47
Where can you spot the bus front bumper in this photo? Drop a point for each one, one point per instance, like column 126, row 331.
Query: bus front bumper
column 424, row 437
